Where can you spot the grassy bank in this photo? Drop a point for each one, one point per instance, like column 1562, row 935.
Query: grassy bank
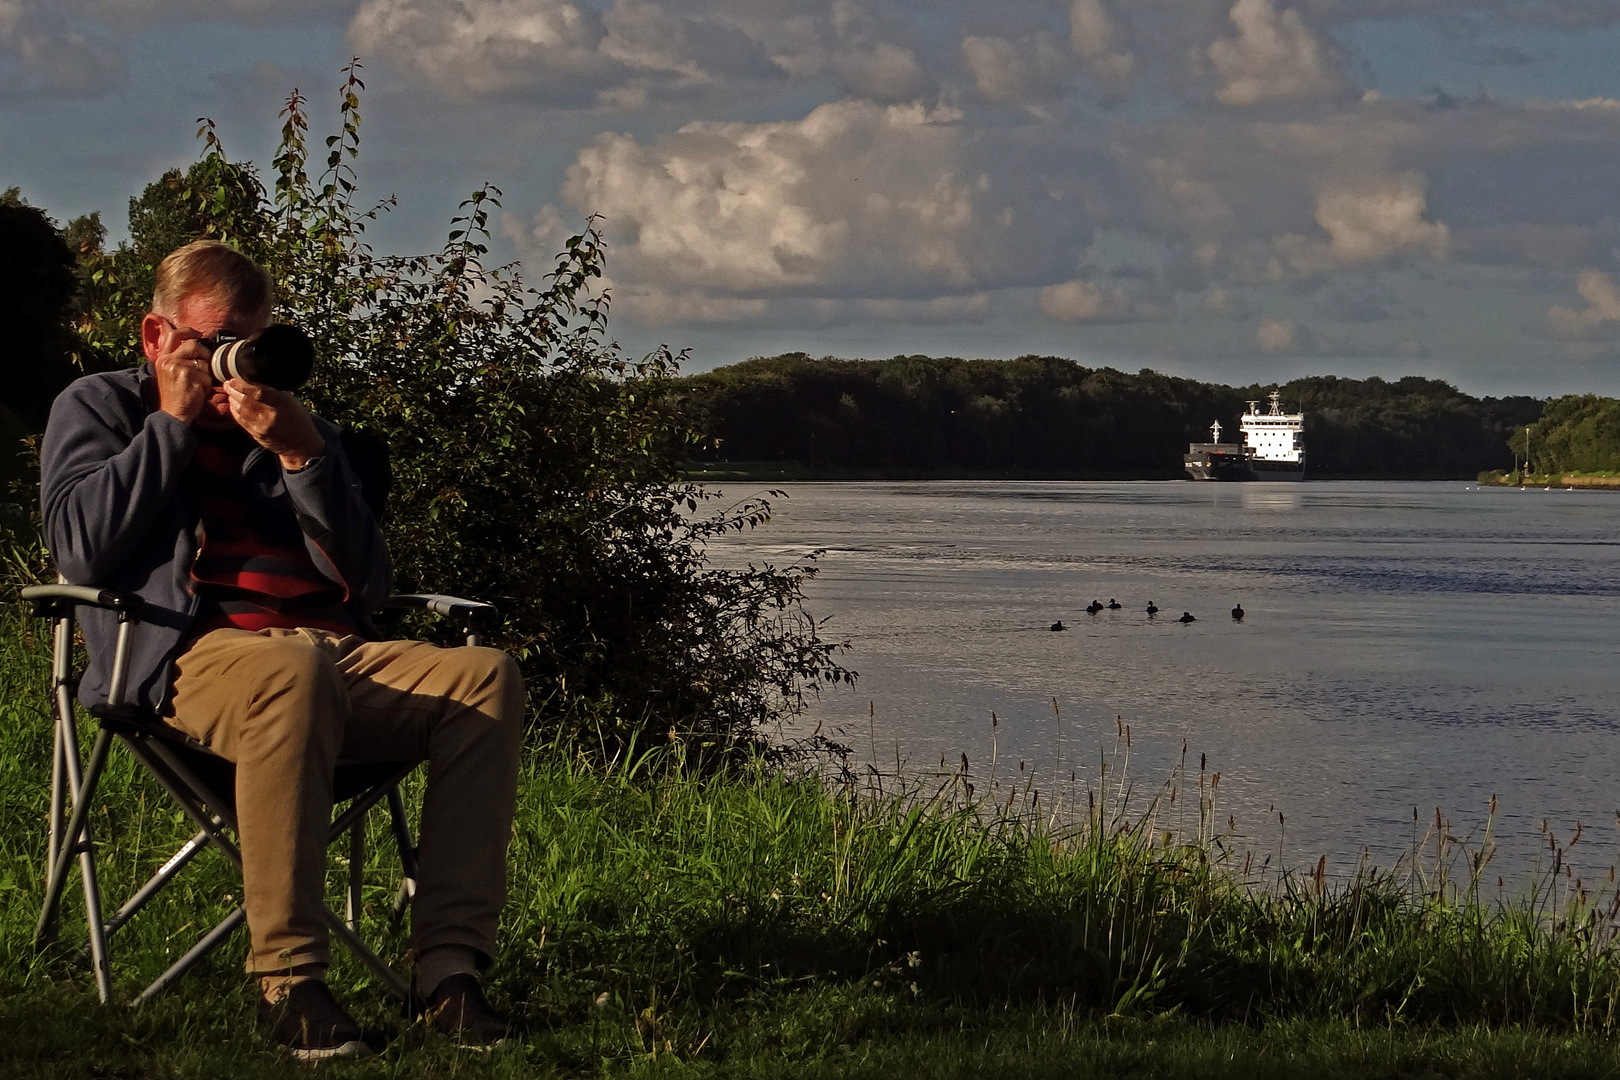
column 771, row 924
column 1595, row 480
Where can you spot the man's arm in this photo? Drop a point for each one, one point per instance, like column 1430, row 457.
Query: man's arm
column 108, row 469
column 338, row 524
column 339, row 528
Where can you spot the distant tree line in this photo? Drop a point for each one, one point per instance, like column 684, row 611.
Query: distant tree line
column 1579, row 433
column 1045, row 416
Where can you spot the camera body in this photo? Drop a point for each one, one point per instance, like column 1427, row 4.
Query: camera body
column 280, row 355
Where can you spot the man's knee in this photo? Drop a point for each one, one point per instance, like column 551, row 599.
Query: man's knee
column 491, row 684
column 299, row 692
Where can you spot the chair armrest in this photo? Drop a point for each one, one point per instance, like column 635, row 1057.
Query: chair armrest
column 473, row 616
column 50, row 600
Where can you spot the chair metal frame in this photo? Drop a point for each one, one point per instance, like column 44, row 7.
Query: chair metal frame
column 180, row 765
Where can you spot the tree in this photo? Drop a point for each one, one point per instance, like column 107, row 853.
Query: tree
column 214, row 198
column 533, row 464
column 38, row 292
column 1576, row 433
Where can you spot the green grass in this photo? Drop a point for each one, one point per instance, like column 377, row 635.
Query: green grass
column 773, row 924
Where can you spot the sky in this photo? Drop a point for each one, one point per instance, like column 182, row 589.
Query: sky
column 1230, row 191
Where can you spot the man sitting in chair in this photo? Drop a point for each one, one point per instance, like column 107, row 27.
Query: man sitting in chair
column 236, row 516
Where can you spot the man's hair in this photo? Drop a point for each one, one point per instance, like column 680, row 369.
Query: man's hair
column 210, row 268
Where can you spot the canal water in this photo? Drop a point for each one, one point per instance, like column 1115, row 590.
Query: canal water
column 1408, row 649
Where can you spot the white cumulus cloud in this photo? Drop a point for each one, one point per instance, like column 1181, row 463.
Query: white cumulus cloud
column 1274, row 57
column 1367, row 223
column 1276, row 335
column 1096, row 36
column 854, row 198
column 486, row 46
column 1598, row 319
column 1026, row 71
column 1085, row 301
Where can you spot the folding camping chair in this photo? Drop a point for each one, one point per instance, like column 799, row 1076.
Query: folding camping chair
column 201, row 782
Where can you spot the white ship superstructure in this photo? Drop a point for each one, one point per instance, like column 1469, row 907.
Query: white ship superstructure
column 1275, row 441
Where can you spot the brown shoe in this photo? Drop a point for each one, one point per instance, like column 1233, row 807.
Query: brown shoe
column 458, row 1008
column 310, row 1023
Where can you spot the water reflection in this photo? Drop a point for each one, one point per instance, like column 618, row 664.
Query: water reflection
column 1271, row 498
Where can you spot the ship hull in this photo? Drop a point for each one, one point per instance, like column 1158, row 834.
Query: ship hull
column 1217, row 461
column 1232, row 469
column 1277, row 470
column 1218, row 470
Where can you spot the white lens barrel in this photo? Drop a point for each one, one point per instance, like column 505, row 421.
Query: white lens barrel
column 225, row 361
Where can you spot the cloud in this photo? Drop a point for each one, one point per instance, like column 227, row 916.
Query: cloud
column 477, row 47
column 1242, row 200
column 633, row 53
column 1224, row 304
column 855, row 199
column 1275, row 57
column 1095, row 35
column 1276, row 335
column 655, row 307
column 1367, row 222
column 136, row 13
column 1598, row 320
column 50, row 56
column 883, row 70
column 1084, row 301
column 968, row 307
column 886, row 161
column 1027, row 71
column 647, row 37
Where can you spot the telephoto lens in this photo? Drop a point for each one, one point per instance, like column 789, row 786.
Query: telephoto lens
column 281, row 356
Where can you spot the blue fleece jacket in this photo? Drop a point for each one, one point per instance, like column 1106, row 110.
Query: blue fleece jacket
column 116, row 518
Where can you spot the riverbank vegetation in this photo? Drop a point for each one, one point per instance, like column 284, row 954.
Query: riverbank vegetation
column 1048, row 417
column 758, row 921
column 1578, row 435
column 1575, row 444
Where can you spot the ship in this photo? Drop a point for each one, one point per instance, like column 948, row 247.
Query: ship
column 1273, row 448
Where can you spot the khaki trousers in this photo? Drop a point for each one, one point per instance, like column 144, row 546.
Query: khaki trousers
column 285, row 705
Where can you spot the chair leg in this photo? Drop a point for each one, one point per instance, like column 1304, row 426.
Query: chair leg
column 76, row 837
column 207, row 945
column 58, row 812
column 357, row 867
column 92, row 910
column 384, row 973
column 407, row 853
column 167, row 871
column 62, row 730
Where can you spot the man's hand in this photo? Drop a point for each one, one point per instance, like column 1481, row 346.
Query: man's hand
column 277, row 421
column 183, row 380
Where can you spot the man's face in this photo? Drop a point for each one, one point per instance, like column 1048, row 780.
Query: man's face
column 201, row 316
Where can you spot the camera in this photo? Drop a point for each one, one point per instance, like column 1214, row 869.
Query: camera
column 280, row 355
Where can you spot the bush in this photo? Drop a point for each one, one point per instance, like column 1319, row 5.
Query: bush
column 533, row 464
column 1576, row 433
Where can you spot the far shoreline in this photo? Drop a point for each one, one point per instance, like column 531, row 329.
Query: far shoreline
column 798, row 473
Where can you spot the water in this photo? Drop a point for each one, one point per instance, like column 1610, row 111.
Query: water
column 1406, row 646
